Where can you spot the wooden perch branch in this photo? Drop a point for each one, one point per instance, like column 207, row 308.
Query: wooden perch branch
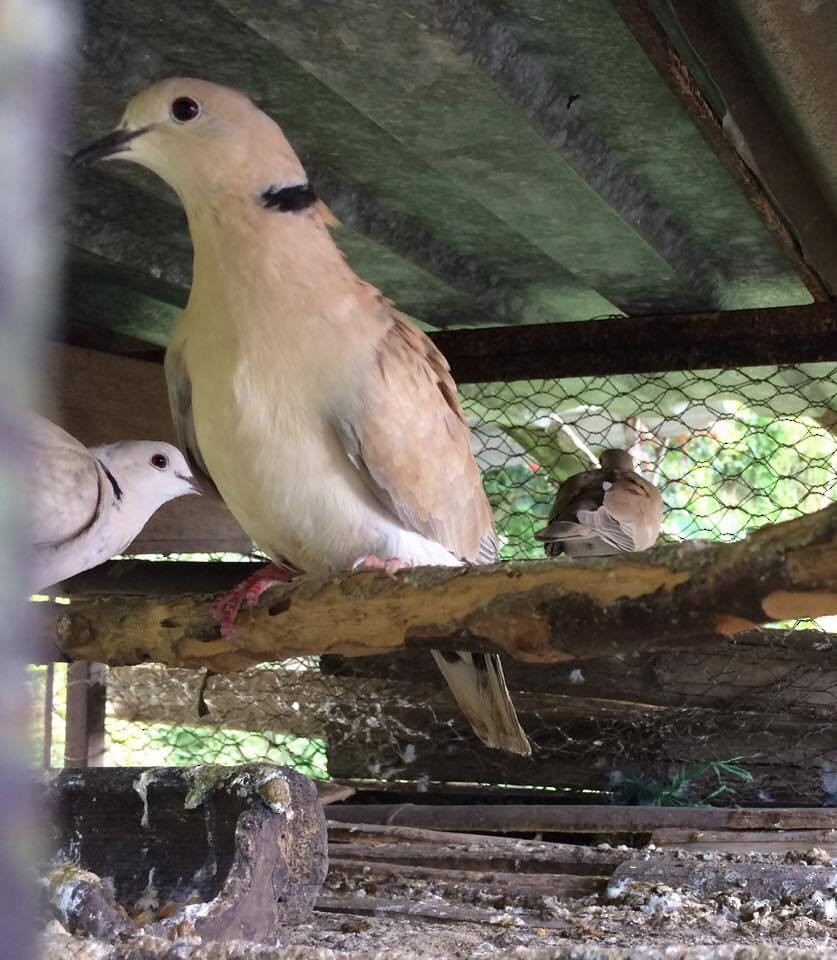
column 539, row 611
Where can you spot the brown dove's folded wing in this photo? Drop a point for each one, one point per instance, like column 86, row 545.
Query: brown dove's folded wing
column 412, row 445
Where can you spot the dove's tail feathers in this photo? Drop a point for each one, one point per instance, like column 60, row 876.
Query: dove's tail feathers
column 479, row 687
column 564, row 530
column 609, row 529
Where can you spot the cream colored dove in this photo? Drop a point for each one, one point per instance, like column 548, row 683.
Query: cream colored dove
column 326, row 421
column 85, row 506
column 601, row 512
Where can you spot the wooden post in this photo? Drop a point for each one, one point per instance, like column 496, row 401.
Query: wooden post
column 84, row 745
column 46, row 703
column 34, row 76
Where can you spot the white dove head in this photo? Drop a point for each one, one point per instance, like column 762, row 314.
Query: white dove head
column 200, row 137
column 616, row 460
column 146, row 473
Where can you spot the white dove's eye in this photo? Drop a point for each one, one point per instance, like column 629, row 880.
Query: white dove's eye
column 160, row 461
column 184, row 109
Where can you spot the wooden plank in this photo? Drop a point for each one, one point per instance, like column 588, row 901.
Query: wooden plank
column 562, row 858
column 259, row 700
column 505, row 818
column 756, row 881
column 795, row 669
column 746, row 841
column 627, row 763
column 372, row 833
column 560, row 886
column 100, row 398
column 446, row 913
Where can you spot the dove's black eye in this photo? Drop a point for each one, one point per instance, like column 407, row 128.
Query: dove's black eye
column 160, row 461
column 185, row 109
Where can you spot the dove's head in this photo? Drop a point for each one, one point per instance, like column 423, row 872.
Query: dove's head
column 616, row 460
column 200, row 138
column 145, row 474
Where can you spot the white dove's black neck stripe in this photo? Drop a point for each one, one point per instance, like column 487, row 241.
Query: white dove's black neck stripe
column 117, row 490
column 291, row 199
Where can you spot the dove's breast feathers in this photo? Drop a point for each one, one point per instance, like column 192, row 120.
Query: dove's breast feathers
column 326, row 446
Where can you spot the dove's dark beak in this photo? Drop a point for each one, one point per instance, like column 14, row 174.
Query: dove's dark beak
column 193, row 483
column 114, row 143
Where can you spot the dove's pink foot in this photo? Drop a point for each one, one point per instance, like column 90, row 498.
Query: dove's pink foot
column 225, row 609
column 390, row 566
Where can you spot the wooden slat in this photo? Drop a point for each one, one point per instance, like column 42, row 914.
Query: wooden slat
column 100, row 398
column 796, row 669
column 427, row 911
column 557, row 885
column 746, row 841
column 563, row 858
column 760, row 881
column 574, row 818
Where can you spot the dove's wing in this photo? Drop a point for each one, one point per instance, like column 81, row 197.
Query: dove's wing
column 64, row 486
column 636, row 505
column 603, row 511
column 409, row 439
column 407, row 436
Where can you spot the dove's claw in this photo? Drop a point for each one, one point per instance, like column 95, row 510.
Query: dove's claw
column 390, row 566
column 225, row 609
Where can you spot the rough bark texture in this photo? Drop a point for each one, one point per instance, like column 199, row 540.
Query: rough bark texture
column 249, row 842
column 541, row 611
column 755, row 880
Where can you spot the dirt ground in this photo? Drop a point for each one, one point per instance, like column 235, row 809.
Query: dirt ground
column 637, row 920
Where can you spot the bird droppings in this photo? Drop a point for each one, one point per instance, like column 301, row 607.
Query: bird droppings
column 640, row 922
column 141, row 785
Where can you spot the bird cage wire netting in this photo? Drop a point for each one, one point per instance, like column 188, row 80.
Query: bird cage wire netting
column 750, row 718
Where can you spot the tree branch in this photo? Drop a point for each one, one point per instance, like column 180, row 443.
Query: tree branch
column 539, row 611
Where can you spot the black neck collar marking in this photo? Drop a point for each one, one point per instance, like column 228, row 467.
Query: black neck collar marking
column 117, row 490
column 292, row 199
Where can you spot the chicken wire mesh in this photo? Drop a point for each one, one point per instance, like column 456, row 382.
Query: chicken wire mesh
column 746, row 719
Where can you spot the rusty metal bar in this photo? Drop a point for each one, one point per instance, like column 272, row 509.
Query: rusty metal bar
column 652, row 344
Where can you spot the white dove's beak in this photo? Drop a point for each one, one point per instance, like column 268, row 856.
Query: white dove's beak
column 193, row 483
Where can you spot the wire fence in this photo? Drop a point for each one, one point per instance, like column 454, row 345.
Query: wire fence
column 747, row 719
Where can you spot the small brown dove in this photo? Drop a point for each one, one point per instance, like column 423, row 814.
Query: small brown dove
column 325, row 420
column 601, row 512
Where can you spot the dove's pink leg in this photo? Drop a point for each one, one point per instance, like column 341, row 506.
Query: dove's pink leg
column 225, row 609
column 390, row 566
